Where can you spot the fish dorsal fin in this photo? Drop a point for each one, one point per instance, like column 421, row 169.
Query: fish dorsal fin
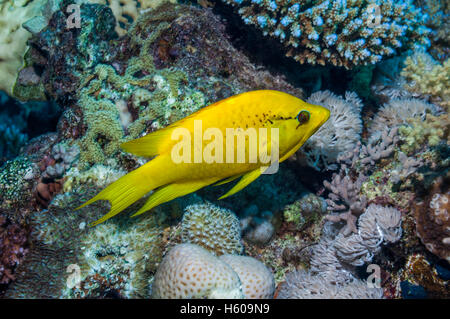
column 245, row 180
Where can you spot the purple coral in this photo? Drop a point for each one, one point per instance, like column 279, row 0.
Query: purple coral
column 13, row 241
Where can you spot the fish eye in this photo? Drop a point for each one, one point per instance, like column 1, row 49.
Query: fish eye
column 303, row 117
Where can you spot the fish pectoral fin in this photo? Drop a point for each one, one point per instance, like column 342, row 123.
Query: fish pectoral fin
column 151, row 144
column 172, row 191
column 245, row 180
column 227, row 180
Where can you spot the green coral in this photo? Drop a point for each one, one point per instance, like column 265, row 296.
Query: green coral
column 308, row 209
column 108, row 125
column 418, row 133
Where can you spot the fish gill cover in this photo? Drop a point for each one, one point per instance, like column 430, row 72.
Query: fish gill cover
column 360, row 210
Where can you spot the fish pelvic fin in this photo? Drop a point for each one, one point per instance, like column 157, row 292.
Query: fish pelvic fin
column 228, row 180
column 172, row 191
column 122, row 193
column 245, row 180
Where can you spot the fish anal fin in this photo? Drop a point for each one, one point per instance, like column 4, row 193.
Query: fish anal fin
column 228, row 180
column 245, row 180
column 172, row 191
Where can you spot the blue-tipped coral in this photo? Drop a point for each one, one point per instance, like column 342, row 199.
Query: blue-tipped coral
column 341, row 33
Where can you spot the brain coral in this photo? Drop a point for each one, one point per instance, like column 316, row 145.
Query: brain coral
column 342, row 33
column 214, row 228
column 13, row 38
column 339, row 134
column 190, row 271
column 257, row 281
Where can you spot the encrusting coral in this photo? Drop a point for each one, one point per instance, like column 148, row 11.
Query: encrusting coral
column 341, row 33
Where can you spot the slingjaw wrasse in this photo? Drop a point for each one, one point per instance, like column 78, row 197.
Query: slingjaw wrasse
column 198, row 151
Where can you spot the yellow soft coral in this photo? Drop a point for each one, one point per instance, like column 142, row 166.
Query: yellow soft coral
column 428, row 77
column 431, row 131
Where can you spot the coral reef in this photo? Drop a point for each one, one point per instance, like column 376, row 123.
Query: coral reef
column 341, row 33
column 380, row 169
column 214, row 228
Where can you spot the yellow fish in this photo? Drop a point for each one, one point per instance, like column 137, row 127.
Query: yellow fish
column 200, row 149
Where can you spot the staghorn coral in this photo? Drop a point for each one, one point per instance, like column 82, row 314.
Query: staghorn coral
column 340, row 33
column 428, row 77
column 257, row 281
column 214, row 228
column 190, row 271
column 338, row 135
column 302, row 285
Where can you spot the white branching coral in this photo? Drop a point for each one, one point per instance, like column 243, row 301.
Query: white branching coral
column 378, row 224
column 338, row 135
column 397, row 111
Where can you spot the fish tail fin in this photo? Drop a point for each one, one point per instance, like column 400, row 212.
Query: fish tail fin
column 123, row 192
column 172, row 191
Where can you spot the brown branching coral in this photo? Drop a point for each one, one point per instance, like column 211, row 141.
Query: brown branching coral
column 433, row 219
